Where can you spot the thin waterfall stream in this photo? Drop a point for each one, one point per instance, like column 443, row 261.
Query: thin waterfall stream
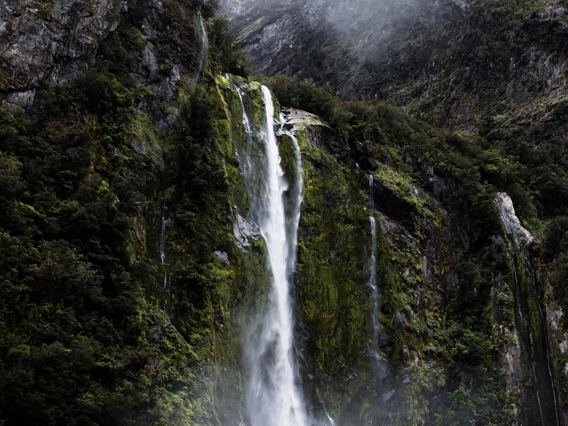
column 297, row 195
column 372, row 283
column 204, row 45
column 379, row 363
column 166, row 225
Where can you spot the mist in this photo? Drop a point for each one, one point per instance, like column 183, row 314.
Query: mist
column 365, row 27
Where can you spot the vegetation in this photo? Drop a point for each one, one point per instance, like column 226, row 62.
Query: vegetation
column 461, row 174
column 89, row 336
column 95, row 328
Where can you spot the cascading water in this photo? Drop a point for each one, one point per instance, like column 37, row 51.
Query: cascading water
column 379, row 362
column 273, row 396
column 373, row 265
column 297, row 196
column 166, row 224
column 204, row 49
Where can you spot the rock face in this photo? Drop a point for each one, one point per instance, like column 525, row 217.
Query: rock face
column 48, row 44
column 532, row 329
column 328, row 40
column 50, row 41
column 393, row 204
column 406, row 52
column 245, row 231
column 111, row 313
column 89, row 90
column 511, row 222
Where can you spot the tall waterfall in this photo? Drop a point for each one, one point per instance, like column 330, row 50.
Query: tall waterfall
column 379, row 363
column 273, row 396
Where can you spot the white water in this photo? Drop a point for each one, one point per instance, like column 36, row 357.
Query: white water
column 166, row 223
column 298, row 199
column 273, row 397
column 372, row 283
column 298, row 195
column 246, row 120
column 328, row 419
column 245, row 157
column 204, row 50
column 163, row 241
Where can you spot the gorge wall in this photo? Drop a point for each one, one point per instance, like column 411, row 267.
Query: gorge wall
column 134, row 262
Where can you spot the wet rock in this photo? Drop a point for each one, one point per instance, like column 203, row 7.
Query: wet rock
column 244, row 231
column 511, row 222
column 51, row 41
column 221, row 256
column 149, row 59
column 393, row 204
column 23, row 99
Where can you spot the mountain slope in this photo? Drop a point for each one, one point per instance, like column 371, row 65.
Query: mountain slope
column 131, row 266
column 448, row 62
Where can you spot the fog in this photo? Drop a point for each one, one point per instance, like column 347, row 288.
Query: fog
column 363, row 25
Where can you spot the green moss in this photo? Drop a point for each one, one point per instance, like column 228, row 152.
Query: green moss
column 81, row 218
column 145, row 140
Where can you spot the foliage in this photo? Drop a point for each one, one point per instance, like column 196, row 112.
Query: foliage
column 85, row 334
column 89, row 334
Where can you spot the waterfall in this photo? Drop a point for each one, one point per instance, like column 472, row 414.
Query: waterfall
column 379, row 363
column 297, row 195
column 328, row 419
column 246, row 121
column 373, row 265
column 166, row 224
column 163, row 241
column 372, row 282
column 204, row 49
column 273, row 396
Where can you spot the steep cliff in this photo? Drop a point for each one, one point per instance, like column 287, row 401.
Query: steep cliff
column 449, row 62
column 135, row 268
column 492, row 69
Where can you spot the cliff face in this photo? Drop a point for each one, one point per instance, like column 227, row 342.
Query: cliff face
column 51, row 44
column 50, row 41
column 451, row 63
column 90, row 94
column 132, row 265
column 492, row 69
